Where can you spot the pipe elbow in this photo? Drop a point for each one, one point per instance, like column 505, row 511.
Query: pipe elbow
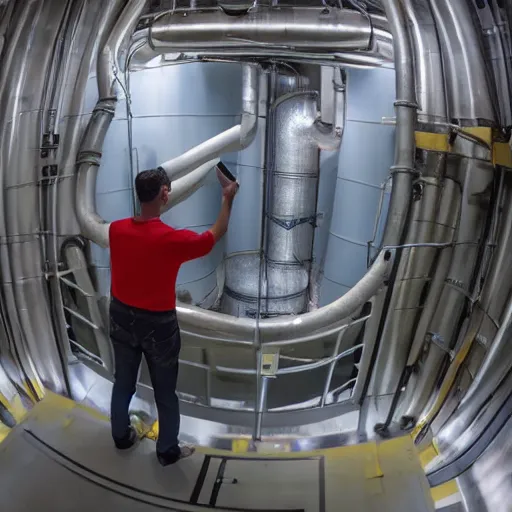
column 327, row 137
column 250, row 98
column 248, row 129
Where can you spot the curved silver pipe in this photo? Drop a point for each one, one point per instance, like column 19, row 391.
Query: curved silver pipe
column 464, row 64
column 498, row 53
column 302, row 28
column 470, row 103
column 401, row 172
column 432, row 218
column 406, row 106
column 108, row 64
column 280, row 328
column 236, row 138
column 430, row 90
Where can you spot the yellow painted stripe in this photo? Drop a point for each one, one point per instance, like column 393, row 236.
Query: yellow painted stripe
column 15, row 407
column 428, row 455
column 444, row 490
column 451, row 374
column 501, row 151
column 4, row 432
column 482, row 132
column 432, row 141
column 502, row 154
column 240, row 446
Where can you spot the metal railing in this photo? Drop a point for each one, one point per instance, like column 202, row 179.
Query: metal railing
column 285, row 366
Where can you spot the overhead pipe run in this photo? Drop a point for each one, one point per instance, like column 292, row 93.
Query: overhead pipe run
column 299, row 34
column 302, row 28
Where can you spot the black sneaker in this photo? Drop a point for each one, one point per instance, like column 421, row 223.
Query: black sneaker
column 166, row 459
column 128, row 441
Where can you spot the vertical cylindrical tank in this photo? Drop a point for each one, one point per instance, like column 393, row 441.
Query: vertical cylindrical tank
column 173, row 108
column 365, row 157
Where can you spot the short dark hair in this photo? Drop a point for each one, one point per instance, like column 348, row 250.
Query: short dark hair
column 149, row 183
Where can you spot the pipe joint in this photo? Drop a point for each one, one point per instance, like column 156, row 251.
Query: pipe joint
column 88, row 157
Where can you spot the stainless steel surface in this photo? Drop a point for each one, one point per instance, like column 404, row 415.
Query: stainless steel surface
column 294, row 34
column 303, row 28
column 487, row 485
column 402, row 172
column 460, row 50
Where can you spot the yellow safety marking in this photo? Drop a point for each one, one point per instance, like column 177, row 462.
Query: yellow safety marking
column 4, row 431
column 444, row 490
column 35, row 391
column 5, row 402
column 433, row 141
column 15, row 407
column 372, row 467
column 482, row 132
column 153, row 432
column 501, row 151
column 428, row 455
column 502, row 154
column 452, row 372
column 240, row 445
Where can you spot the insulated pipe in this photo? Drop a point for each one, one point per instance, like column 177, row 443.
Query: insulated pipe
column 302, row 28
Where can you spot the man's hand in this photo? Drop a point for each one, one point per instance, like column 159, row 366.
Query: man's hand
column 221, row 225
column 230, row 191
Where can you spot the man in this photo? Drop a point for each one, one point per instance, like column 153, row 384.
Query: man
column 146, row 256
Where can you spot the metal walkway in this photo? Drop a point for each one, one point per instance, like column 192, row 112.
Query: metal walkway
column 61, row 458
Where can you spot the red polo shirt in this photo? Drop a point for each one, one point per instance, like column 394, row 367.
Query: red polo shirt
column 146, row 257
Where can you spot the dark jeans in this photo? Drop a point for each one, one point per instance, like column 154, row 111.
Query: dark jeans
column 156, row 335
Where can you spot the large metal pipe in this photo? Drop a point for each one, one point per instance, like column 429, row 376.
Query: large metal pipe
column 406, row 106
column 432, row 215
column 314, row 47
column 297, row 136
column 470, row 103
column 403, row 169
column 301, row 28
column 273, row 329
